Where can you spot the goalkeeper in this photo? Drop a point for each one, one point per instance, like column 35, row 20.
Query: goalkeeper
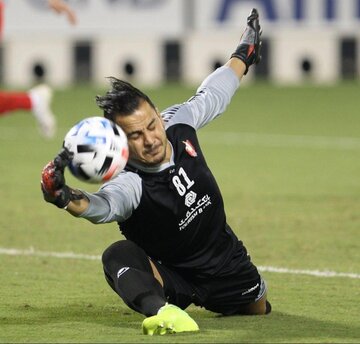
column 179, row 249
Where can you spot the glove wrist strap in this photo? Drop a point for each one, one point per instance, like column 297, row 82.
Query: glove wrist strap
column 66, row 196
column 63, row 200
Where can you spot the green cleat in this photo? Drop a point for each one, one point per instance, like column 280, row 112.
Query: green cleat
column 170, row 319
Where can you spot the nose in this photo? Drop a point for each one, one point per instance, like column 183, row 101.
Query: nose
column 148, row 139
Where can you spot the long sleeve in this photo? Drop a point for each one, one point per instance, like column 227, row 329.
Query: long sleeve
column 116, row 199
column 211, row 99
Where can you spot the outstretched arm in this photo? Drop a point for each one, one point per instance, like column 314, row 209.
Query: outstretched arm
column 216, row 91
column 115, row 201
column 238, row 66
column 61, row 7
column 248, row 52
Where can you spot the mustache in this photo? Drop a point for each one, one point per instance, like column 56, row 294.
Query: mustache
column 152, row 148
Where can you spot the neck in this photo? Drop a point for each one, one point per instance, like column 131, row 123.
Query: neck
column 168, row 153
column 168, row 160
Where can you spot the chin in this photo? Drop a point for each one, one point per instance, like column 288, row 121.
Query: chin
column 157, row 160
column 154, row 162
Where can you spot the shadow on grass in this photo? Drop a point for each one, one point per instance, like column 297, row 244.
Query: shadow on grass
column 274, row 328
column 109, row 315
column 284, row 327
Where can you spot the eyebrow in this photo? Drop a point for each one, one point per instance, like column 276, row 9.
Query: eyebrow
column 140, row 131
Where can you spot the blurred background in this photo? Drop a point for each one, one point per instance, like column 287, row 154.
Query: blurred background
column 285, row 155
column 155, row 41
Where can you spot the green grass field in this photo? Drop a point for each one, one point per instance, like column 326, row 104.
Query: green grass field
column 288, row 163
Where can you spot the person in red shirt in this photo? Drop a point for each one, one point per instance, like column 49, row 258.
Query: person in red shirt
column 38, row 99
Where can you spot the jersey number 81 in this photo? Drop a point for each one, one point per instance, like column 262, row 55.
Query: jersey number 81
column 180, row 187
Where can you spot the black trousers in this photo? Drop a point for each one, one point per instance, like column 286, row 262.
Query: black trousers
column 238, row 283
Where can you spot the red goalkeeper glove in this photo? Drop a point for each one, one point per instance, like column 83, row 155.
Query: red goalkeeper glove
column 53, row 181
column 249, row 48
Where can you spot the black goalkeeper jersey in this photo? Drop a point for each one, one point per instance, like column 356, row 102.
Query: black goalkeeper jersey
column 180, row 220
column 176, row 214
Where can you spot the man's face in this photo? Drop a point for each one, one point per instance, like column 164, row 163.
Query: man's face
column 146, row 135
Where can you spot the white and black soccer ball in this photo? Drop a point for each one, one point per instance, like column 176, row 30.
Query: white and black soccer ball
column 99, row 147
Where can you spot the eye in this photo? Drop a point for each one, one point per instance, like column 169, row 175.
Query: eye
column 134, row 136
column 152, row 126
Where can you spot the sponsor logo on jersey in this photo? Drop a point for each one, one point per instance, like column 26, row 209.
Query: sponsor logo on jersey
column 190, row 148
column 194, row 211
column 190, row 198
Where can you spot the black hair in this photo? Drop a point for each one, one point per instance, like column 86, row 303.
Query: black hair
column 121, row 100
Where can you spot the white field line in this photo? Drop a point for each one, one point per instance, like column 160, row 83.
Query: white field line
column 227, row 138
column 280, row 140
column 32, row 252
column 71, row 255
column 316, row 273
